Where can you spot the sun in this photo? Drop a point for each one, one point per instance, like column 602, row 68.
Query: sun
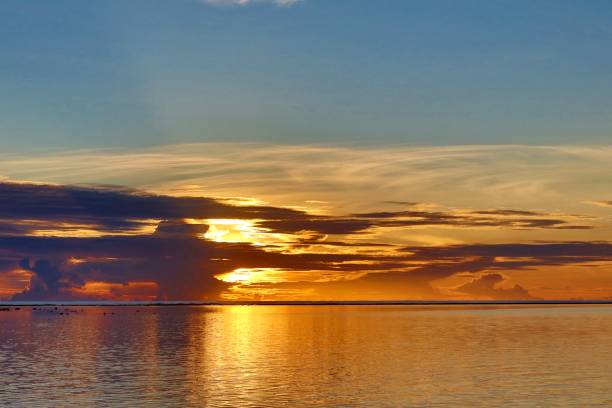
column 240, row 275
column 246, row 276
column 231, row 230
column 242, row 231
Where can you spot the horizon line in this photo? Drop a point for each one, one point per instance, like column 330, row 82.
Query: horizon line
column 303, row 302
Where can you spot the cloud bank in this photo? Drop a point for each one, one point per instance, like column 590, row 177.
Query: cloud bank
column 343, row 222
column 78, row 242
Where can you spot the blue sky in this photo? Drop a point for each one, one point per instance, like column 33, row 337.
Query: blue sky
column 79, row 74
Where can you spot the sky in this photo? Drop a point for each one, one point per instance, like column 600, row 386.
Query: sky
column 151, row 72
column 305, row 150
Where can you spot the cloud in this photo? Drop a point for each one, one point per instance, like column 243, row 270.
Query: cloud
column 104, row 247
column 519, row 255
column 47, row 278
column 101, row 202
column 487, row 286
column 362, row 222
column 180, row 263
column 334, row 230
column 423, row 266
column 601, row 203
column 488, row 218
column 520, row 178
column 30, row 208
column 27, row 207
column 325, row 225
column 184, row 267
column 79, row 242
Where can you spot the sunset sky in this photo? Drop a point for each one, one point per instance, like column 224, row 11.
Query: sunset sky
column 305, row 150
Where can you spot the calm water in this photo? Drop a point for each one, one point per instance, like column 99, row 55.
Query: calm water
column 307, row 356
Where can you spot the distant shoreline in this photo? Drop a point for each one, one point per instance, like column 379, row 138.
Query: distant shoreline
column 311, row 303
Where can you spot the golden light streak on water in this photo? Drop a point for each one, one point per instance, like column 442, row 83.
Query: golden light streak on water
column 307, row 356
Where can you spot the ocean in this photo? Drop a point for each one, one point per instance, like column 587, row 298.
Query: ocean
column 306, row 356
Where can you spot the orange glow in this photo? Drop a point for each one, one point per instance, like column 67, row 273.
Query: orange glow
column 118, row 291
column 228, row 230
column 245, row 231
column 240, row 275
column 75, row 261
column 67, row 229
column 13, row 282
column 248, row 275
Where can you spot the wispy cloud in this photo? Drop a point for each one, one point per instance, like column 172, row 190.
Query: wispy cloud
column 283, row 3
column 552, row 180
column 601, row 203
column 465, row 176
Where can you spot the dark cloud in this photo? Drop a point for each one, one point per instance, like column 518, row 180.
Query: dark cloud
column 183, row 266
column 10, row 227
column 25, row 208
column 177, row 260
column 48, row 280
column 508, row 212
column 515, row 219
column 312, row 242
column 320, row 225
column 433, row 216
column 180, row 229
column 530, row 253
column 115, row 209
column 487, row 286
column 361, row 222
column 175, row 257
column 425, row 265
column 403, row 203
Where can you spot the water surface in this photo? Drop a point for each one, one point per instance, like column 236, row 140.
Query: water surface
column 307, row 356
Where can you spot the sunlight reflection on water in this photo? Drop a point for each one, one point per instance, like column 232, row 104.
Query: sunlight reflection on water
column 320, row 356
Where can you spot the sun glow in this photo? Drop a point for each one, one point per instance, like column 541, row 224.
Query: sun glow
column 251, row 275
column 235, row 230
column 118, row 291
column 240, row 275
column 229, row 230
